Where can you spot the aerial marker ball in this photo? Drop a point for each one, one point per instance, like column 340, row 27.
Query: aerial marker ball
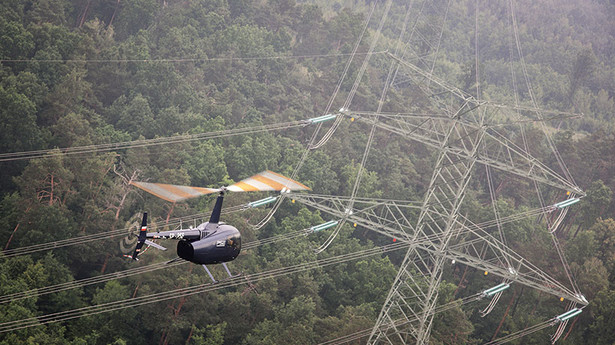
column 394, row 240
column 355, row 225
column 293, row 201
column 486, row 272
column 453, row 261
column 568, row 193
column 561, row 299
column 352, row 119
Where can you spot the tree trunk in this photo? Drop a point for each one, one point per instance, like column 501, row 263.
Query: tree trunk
column 571, row 326
column 517, row 303
column 51, row 193
column 104, row 267
column 114, row 11
column 11, row 237
column 190, row 335
column 497, row 330
column 576, row 232
column 169, row 213
column 463, row 277
column 15, row 230
column 134, row 294
column 84, row 14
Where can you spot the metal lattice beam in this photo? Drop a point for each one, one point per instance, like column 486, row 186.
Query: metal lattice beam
column 456, row 125
column 472, row 246
column 441, row 233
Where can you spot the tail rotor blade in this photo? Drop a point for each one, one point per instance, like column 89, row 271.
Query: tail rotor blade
column 142, row 237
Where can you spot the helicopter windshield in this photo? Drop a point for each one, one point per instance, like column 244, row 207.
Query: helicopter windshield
column 233, row 242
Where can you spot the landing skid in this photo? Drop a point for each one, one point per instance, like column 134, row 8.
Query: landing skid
column 231, row 276
column 174, row 260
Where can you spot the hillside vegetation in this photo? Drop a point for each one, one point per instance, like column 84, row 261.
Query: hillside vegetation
column 76, row 73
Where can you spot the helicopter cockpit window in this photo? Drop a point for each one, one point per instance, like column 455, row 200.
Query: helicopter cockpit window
column 233, row 242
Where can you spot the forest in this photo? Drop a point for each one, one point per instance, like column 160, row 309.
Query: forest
column 197, row 90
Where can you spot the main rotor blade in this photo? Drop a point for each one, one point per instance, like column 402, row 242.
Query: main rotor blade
column 173, row 193
column 266, row 181
column 262, row 182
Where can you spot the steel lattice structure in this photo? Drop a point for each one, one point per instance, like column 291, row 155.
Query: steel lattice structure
column 464, row 132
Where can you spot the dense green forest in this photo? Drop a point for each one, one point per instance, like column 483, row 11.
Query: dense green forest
column 76, row 73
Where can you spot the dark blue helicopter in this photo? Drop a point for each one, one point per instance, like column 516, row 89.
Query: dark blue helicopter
column 212, row 242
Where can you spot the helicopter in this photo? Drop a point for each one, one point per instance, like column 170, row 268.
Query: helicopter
column 213, row 242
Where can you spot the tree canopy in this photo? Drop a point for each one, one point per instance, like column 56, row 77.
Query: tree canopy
column 76, row 73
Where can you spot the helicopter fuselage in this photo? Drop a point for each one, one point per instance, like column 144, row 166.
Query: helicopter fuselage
column 209, row 243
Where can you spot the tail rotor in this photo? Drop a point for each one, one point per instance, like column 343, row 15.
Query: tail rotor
column 142, row 238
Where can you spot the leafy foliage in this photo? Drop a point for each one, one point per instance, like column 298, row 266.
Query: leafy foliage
column 160, row 68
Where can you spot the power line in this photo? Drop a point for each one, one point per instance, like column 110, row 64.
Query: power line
column 14, row 156
column 137, row 270
column 184, row 60
column 192, row 290
column 400, row 322
column 131, row 272
column 311, row 146
column 102, row 236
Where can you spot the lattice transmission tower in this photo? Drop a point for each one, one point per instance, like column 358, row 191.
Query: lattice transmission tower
column 464, row 133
